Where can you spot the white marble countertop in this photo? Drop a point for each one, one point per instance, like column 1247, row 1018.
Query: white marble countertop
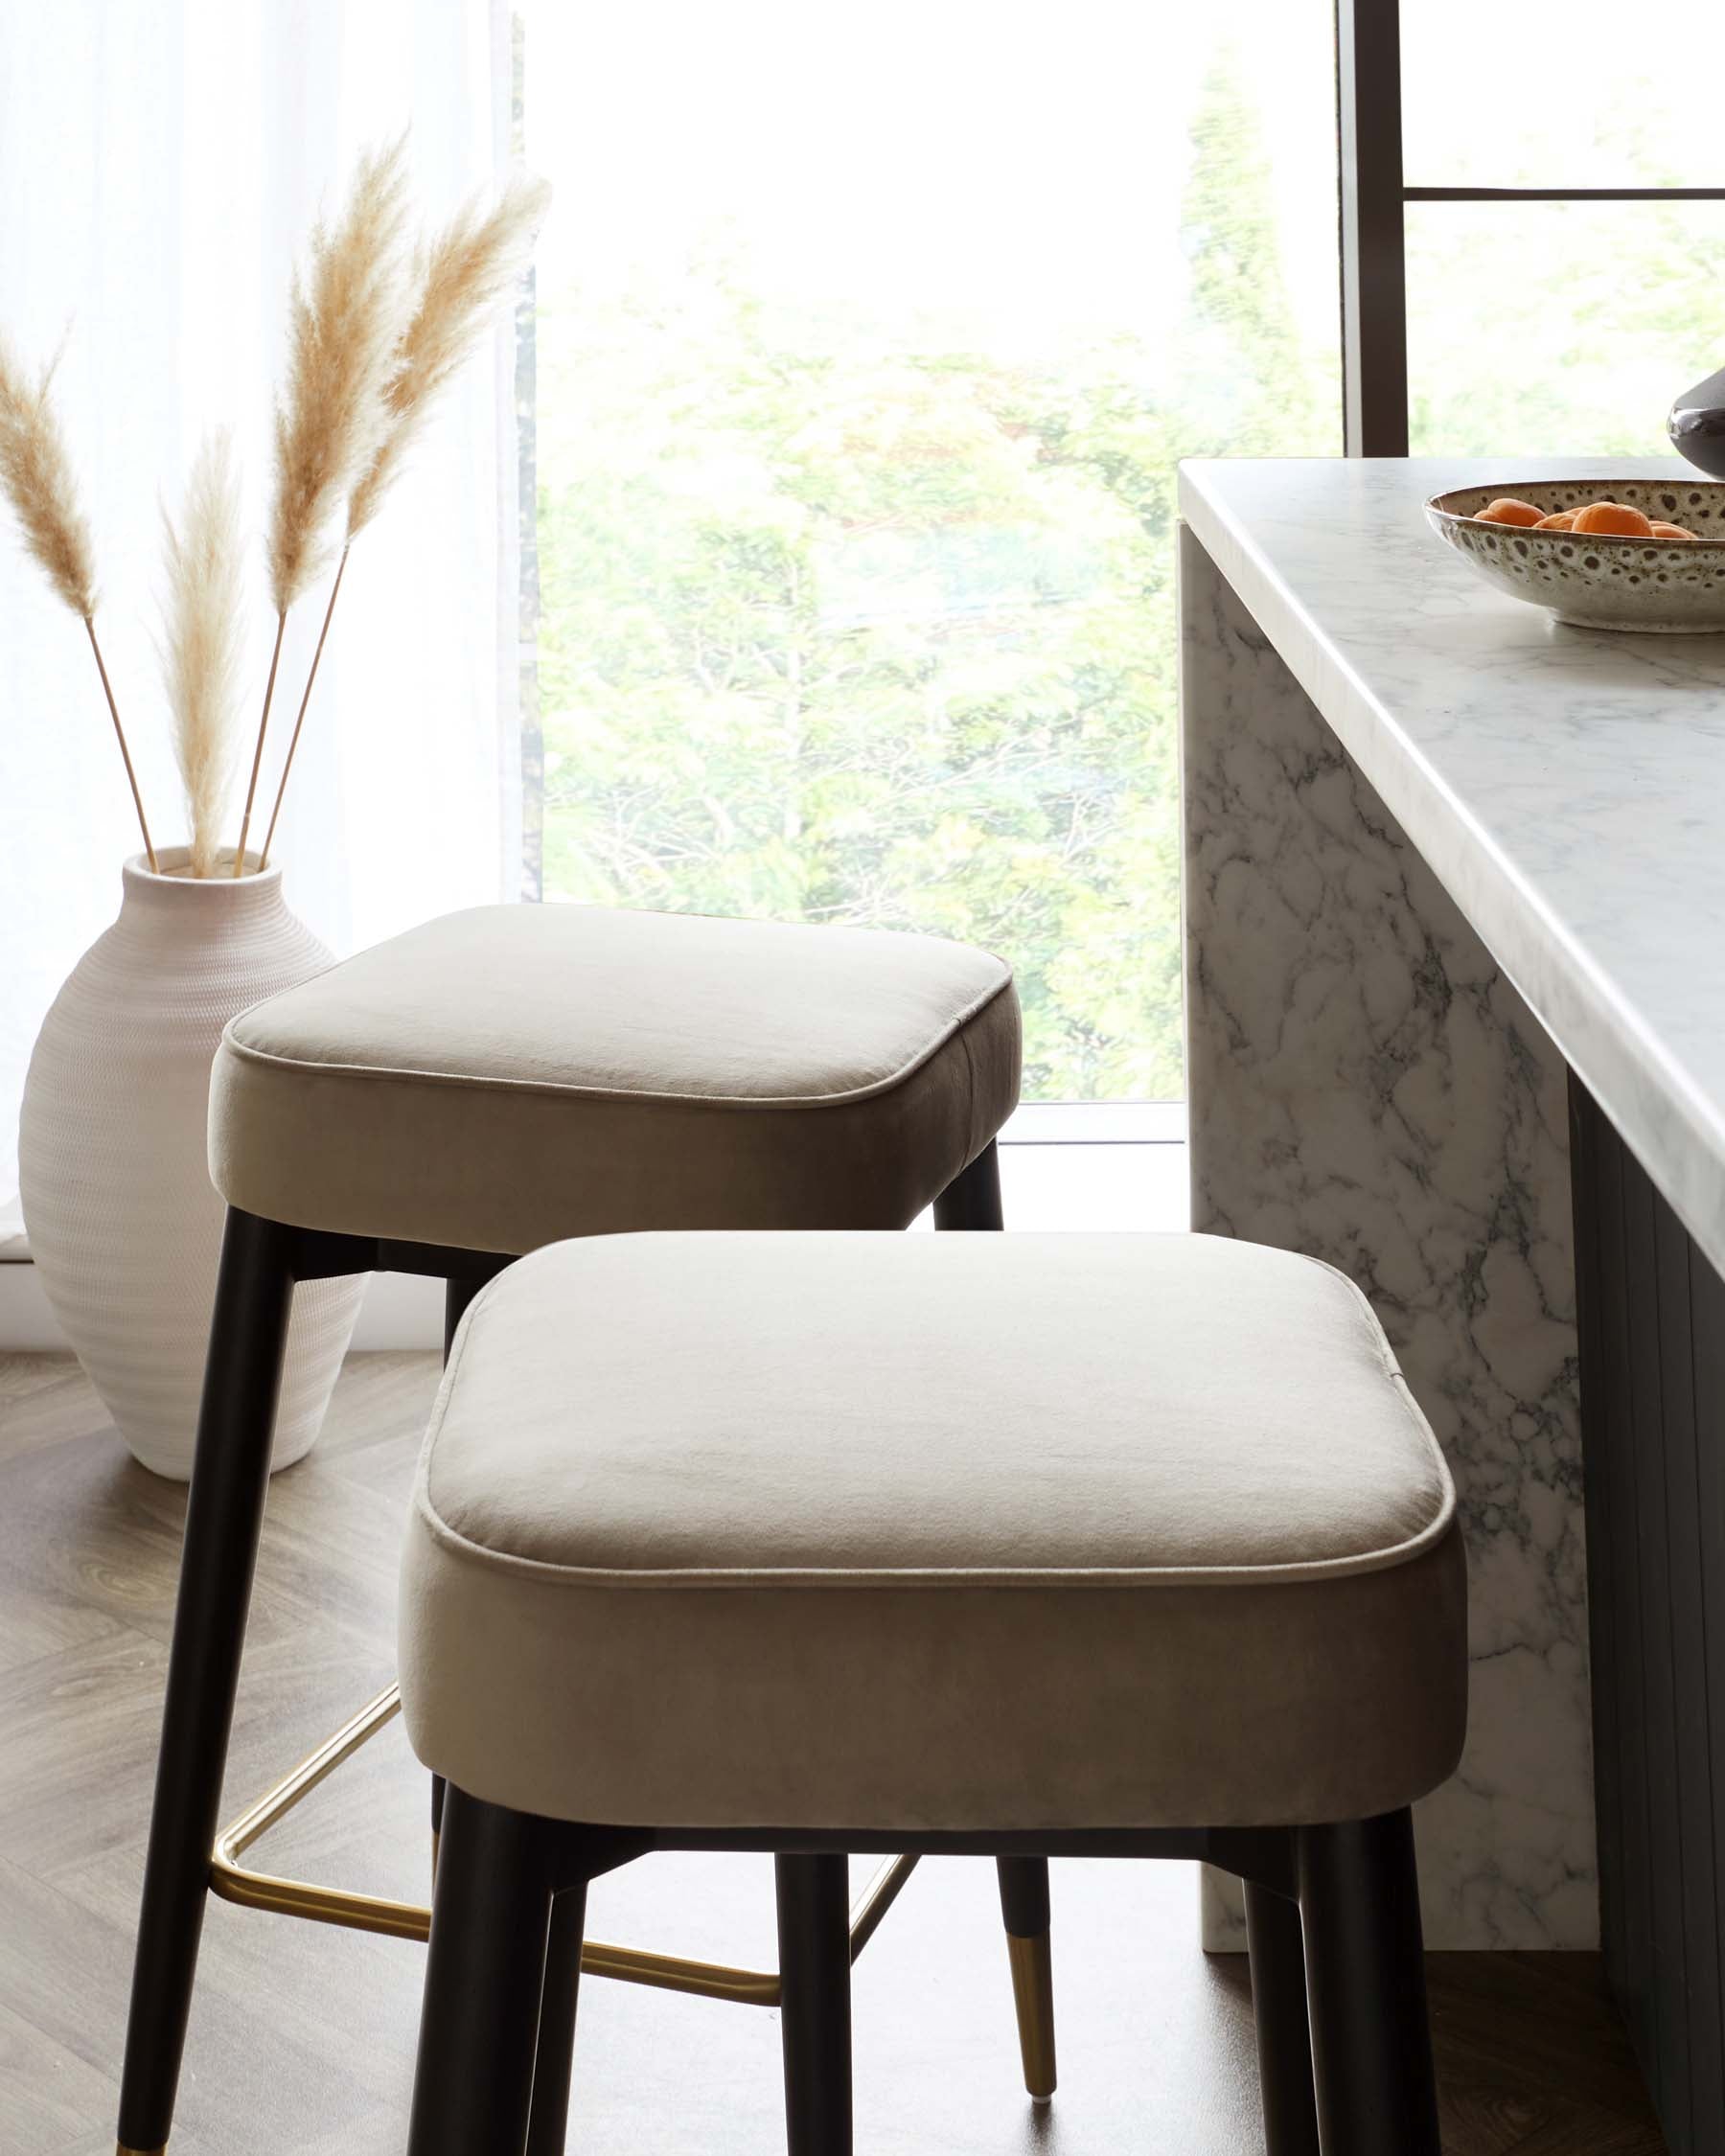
column 1566, row 784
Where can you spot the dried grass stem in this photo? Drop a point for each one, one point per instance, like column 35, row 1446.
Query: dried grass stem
column 131, row 776
column 251, row 790
column 300, row 720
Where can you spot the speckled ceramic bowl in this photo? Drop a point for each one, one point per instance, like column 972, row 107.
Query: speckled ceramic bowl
column 1663, row 587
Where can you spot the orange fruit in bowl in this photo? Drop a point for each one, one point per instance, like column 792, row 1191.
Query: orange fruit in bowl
column 1506, row 510
column 1559, row 520
column 1611, row 520
column 1670, row 531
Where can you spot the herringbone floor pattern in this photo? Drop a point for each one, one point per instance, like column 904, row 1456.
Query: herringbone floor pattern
column 302, row 2040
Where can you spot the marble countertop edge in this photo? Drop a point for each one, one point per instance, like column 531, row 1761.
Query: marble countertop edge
column 1670, row 1123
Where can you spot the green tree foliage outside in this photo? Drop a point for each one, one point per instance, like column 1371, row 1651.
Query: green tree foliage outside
column 855, row 622
column 1566, row 328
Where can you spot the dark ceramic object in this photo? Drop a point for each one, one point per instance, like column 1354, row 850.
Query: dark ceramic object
column 1697, row 424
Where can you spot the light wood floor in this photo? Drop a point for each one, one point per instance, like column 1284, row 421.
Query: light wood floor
column 302, row 2039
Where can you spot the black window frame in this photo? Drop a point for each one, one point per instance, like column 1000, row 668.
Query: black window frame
column 1373, row 194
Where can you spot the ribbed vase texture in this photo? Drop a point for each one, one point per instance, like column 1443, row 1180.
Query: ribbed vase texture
column 123, row 1220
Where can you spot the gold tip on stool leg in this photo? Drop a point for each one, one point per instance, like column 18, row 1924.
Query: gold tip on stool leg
column 1033, row 1996
column 121, row 2150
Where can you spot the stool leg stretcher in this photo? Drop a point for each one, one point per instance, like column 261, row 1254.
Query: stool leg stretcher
column 237, row 1882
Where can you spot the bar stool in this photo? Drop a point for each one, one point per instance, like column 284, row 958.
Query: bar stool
column 440, row 1104
column 1109, row 1545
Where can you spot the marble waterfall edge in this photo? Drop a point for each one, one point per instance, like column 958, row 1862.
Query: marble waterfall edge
column 1368, row 1087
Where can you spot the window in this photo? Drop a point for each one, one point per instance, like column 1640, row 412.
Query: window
column 866, row 343
column 1536, row 237
column 1624, row 307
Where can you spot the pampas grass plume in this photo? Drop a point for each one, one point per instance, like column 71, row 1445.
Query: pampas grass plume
column 36, row 474
column 458, row 279
column 344, row 320
column 368, row 354
column 202, row 649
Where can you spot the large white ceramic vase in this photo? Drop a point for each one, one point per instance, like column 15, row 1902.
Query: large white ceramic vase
column 123, row 1220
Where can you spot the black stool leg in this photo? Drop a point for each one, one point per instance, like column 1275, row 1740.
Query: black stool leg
column 1025, row 1912
column 973, row 1197
column 550, row 2123
column 1278, row 2006
column 224, row 1514
column 1372, row 2042
column 458, row 1293
column 473, row 2087
column 813, row 1930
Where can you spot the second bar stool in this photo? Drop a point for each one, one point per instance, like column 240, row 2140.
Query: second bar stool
column 1097, row 1545
column 460, row 1095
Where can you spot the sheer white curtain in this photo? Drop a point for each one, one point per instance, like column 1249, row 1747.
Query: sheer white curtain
column 160, row 163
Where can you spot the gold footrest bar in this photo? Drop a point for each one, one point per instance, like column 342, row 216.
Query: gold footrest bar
column 237, row 1882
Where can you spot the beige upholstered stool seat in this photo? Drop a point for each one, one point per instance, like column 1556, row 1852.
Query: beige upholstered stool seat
column 941, row 1533
column 502, row 1077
